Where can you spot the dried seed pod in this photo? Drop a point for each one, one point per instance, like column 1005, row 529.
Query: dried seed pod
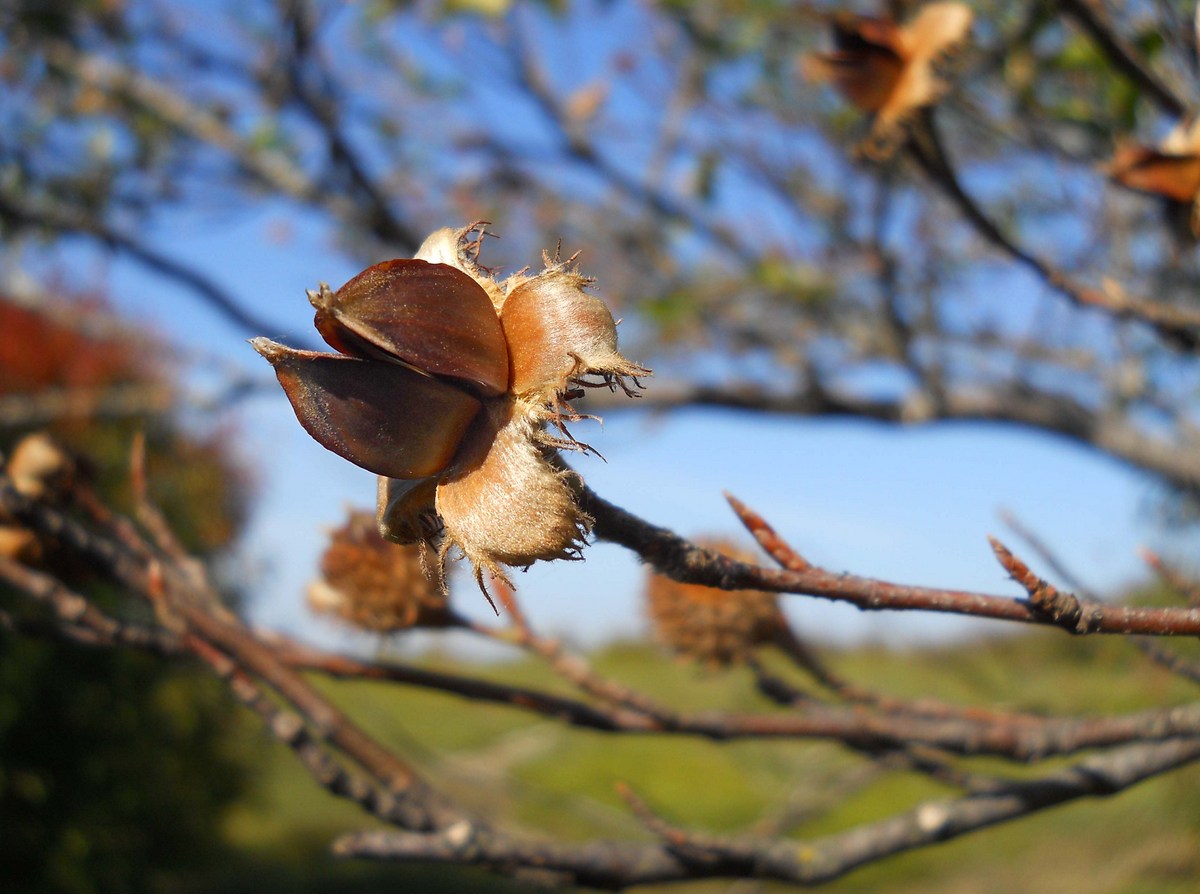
column 19, row 544
column 868, row 60
column 559, row 334
column 374, row 584
column 1170, row 170
column 40, row 468
column 460, row 249
column 443, row 385
column 711, row 626
column 889, row 70
column 405, row 510
column 511, row 506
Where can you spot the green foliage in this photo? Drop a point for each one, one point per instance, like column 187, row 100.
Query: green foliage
column 1083, row 89
column 115, row 769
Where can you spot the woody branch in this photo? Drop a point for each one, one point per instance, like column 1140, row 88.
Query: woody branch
column 1132, row 747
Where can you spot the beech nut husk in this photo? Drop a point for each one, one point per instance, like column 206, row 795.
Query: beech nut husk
column 444, row 384
column 891, row 70
column 376, row 585
column 1170, row 169
column 714, row 627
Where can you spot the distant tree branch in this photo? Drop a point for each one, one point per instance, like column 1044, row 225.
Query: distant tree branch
column 687, row 855
column 534, row 81
column 63, row 218
column 1175, row 460
column 30, row 411
column 1091, row 16
column 313, row 88
column 270, row 167
column 1179, row 326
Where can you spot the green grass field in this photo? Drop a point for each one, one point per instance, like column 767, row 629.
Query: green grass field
column 536, row 775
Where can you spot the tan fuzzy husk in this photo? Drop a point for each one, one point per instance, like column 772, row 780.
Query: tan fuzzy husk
column 39, row 467
column 490, row 488
column 1171, row 170
column 558, row 334
column 1183, row 139
column 504, row 503
column 512, row 507
column 376, row 585
column 405, row 510
column 937, row 30
column 19, row 544
column 711, row 626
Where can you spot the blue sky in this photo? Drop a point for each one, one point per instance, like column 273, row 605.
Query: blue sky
column 908, row 505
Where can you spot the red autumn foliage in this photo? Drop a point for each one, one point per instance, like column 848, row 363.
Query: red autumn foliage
column 54, row 347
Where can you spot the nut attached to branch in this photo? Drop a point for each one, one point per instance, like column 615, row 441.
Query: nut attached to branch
column 443, row 384
column 1170, row 170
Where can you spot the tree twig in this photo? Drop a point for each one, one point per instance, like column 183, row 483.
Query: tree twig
column 1091, row 16
column 683, row 854
column 1179, row 326
column 681, row 560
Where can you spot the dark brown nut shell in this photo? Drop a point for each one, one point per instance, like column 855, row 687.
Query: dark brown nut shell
column 432, row 316
column 380, row 416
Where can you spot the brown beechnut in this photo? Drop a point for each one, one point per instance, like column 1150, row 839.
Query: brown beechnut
column 714, row 627
column 889, row 70
column 1170, row 170
column 443, row 385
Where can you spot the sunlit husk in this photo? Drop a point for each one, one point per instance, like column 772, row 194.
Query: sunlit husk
column 890, row 70
column 1176, row 177
column 1170, row 170
column 39, row 467
column 711, row 626
column 444, row 388
column 19, row 544
column 376, row 585
column 558, row 333
column 512, row 507
column 460, row 248
column 405, row 510
column 867, row 63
